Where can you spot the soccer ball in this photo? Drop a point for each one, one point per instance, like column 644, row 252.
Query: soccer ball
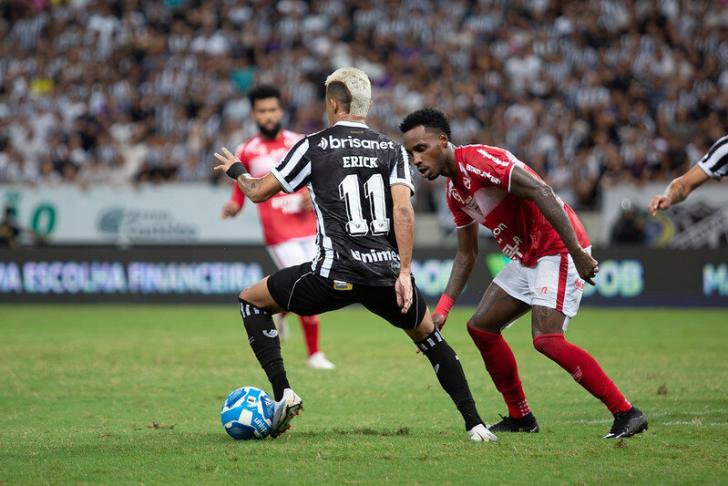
column 247, row 413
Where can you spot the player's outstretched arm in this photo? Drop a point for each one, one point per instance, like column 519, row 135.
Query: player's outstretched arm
column 230, row 210
column 256, row 189
column 235, row 204
column 526, row 186
column 404, row 231
column 678, row 189
column 462, row 267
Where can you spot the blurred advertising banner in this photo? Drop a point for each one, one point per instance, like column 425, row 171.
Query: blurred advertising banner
column 208, row 274
column 148, row 214
column 701, row 221
column 142, row 274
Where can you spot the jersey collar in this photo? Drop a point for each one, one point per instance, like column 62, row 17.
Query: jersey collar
column 457, row 151
column 351, row 124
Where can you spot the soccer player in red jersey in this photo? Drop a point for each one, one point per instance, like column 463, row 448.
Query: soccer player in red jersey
column 551, row 258
column 288, row 220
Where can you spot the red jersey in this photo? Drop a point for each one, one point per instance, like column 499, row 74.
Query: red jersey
column 481, row 194
column 282, row 216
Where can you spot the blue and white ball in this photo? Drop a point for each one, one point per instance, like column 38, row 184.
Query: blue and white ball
column 247, row 413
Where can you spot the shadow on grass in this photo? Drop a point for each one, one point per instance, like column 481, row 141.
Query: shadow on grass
column 307, row 435
column 368, row 431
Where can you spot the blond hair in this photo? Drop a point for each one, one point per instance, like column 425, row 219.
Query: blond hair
column 357, row 83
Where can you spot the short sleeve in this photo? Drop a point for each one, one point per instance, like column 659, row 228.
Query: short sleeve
column 490, row 166
column 294, row 171
column 401, row 172
column 715, row 162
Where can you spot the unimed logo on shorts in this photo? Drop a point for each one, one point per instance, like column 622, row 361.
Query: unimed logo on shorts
column 373, row 256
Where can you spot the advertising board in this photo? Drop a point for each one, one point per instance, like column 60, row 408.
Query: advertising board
column 179, row 214
column 628, row 276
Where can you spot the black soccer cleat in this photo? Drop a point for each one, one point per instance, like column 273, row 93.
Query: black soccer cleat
column 626, row 424
column 527, row 423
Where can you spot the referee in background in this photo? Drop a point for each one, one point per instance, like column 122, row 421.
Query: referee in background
column 714, row 164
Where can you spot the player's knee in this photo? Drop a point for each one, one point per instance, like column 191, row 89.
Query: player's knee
column 539, row 345
column 252, row 296
column 548, row 344
column 481, row 325
column 245, row 295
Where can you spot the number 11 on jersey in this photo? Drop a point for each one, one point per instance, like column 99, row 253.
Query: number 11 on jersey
column 374, row 192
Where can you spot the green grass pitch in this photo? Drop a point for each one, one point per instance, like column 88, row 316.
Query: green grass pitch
column 131, row 394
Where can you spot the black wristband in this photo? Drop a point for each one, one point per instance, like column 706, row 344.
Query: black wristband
column 236, row 170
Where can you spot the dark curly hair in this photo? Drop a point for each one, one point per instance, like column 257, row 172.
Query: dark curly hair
column 428, row 118
column 262, row 92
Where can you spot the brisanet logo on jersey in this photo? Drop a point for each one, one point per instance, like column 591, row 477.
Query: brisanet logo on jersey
column 331, row 142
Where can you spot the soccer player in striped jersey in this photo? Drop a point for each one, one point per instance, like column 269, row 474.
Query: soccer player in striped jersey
column 361, row 187
column 714, row 164
column 550, row 260
column 289, row 224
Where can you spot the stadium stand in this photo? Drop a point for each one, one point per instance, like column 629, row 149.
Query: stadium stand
column 589, row 93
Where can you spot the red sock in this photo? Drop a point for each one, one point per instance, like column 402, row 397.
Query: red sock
column 503, row 369
column 583, row 368
column 310, row 326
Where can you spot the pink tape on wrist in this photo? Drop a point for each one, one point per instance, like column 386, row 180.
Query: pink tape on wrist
column 444, row 305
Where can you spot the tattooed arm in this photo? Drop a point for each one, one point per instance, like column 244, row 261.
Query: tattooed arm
column 678, row 189
column 526, row 186
column 257, row 189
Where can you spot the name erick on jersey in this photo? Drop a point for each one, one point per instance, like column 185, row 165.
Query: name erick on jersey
column 282, row 216
column 349, row 170
column 481, row 194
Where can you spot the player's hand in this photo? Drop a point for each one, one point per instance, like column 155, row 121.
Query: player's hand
column 439, row 320
column 230, row 210
column 403, row 289
column 586, row 265
column 226, row 160
column 658, row 202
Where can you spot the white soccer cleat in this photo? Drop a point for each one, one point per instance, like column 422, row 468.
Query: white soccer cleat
column 283, row 412
column 318, row 361
column 281, row 323
column 480, row 434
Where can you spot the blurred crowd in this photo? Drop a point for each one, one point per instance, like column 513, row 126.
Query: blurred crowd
column 588, row 93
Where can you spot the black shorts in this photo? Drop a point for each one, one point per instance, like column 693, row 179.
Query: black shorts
column 298, row 289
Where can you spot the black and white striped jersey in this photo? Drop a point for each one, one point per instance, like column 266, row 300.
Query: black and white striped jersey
column 715, row 162
column 349, row 170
